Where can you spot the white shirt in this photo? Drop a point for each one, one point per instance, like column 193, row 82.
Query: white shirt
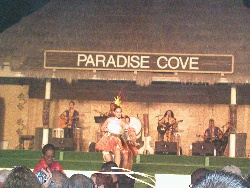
column 114, row 126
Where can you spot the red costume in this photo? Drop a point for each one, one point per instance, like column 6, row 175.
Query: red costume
column 42, row 164
column 111, row 139
column 109, row 142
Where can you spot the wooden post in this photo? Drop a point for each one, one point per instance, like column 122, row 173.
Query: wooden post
column 146, row 148
column 233, row 119
column 146, row 125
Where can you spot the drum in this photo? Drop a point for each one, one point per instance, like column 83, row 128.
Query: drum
column 136, row 124
column 58, row 133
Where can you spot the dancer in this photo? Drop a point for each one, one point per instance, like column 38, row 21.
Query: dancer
column 110, row 144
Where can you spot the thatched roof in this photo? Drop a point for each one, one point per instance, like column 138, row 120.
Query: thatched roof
column 193, row 27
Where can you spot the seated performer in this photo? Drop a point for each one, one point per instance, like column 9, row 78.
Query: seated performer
column 214, row 135
column 69, row 119
column 167, row 125
column 110, row 144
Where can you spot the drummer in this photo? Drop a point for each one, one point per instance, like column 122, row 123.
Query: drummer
column 129, row 144
column 130, row 130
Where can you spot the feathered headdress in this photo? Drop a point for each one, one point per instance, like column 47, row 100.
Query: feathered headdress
column 120, row 97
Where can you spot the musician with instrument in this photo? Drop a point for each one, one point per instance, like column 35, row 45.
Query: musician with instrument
column 129, row 144
column 69, row 119
column 167, row 126
column 214, row 135
column 111, row 112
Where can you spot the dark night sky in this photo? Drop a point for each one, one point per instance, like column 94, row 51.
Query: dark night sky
column 12, row 11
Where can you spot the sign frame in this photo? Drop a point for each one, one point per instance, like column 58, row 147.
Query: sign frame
column 147, row 62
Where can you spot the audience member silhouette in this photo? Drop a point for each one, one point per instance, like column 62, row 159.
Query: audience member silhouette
column 93, row 178
column 21, row 177
column 197, row 174
column 59, row 180
column 80, row 181
column 247, row 177
column 125, row 182
column 3, row 176
column 232, row 169
column 119, row 180
column 110, row 167
column 105, row 181
column 221, row 179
